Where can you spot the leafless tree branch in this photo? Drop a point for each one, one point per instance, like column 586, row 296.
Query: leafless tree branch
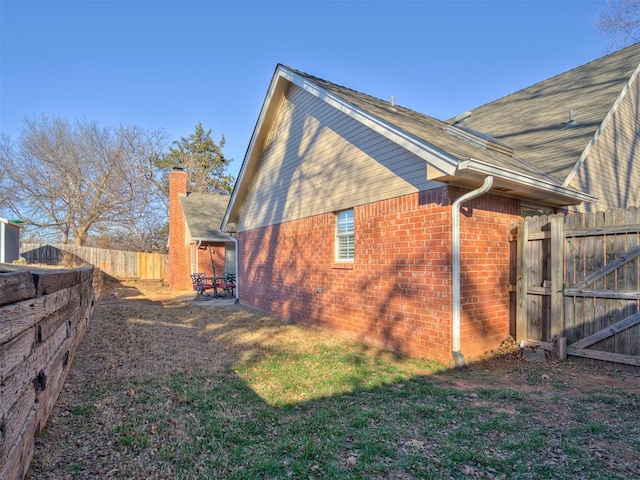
column 620, row 21
column 74, row 177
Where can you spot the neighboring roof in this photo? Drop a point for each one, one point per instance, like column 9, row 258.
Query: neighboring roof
column 534, row 121
column 203, row 213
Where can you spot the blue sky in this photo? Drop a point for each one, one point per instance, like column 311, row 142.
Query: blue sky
column 172, row 64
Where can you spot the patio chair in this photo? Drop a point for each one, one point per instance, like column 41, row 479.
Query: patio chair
column 201, row 284
column 226, row 285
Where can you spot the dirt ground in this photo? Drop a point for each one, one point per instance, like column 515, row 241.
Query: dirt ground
column 165, row 331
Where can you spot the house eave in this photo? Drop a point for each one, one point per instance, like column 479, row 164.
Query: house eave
column 224, row 239
column 471, row 173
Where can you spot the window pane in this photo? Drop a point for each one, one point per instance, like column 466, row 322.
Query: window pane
column 344, row 236
column 345, row 247
column 345, row 222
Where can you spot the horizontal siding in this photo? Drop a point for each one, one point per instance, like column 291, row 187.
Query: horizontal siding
column 319, row 160
column 611, row 171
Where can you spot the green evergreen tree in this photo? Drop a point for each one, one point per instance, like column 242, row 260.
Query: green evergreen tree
column 203, row 160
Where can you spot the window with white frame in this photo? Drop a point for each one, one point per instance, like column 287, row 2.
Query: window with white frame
column 344, row 236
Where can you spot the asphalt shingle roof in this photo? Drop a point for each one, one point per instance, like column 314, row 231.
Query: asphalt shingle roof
column 203, row 213
column 429, row 130
column 533, row 121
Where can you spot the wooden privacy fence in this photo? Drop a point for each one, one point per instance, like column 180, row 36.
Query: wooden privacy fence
column 577, row 279
column 117, row 263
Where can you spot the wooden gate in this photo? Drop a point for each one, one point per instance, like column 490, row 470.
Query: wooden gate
column 577, row 280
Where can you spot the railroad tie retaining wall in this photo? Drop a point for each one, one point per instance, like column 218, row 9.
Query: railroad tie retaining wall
column 44, row 314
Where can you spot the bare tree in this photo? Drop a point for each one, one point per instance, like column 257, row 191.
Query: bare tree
column 74, row 177
column 620, row 20
column 5, row 185
column 148, row 234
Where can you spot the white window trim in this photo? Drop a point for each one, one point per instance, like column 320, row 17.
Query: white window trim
column 339, row 235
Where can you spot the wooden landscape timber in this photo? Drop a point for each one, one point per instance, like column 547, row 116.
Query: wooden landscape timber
column 44, row 314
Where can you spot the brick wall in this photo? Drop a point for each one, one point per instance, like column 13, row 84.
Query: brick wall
column 182, row 254
column 179, row 252
column 485, row 254
column 210, row 257
column 397, row 293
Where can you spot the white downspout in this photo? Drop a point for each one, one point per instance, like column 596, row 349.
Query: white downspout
column 194, row 268
column 455, row 233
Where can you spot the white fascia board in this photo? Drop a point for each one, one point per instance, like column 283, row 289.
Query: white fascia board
column 482, row 168
column 212, row 240
column 429, row 153
column 601, row 128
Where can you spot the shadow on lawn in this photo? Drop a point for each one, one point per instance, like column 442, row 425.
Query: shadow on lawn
column 173, row 389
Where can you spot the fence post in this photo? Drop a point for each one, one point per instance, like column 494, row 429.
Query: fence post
column 557, row 276
column 522, row 251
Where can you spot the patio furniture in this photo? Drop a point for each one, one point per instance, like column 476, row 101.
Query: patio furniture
column 202, row 283
column 226, row 285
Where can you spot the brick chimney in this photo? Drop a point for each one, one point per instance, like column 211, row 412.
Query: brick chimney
column 179, row 269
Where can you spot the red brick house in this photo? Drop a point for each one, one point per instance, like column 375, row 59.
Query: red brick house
column 196, row 243
column 364, row 217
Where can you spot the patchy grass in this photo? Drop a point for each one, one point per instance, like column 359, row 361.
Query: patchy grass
column 272, row 401
column 193, row 426
column 303, row 373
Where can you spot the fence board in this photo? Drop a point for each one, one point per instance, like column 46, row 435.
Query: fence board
column 633, row 271
column 594, row 260
column 557, row 273
column 605, row 356
column 521, row 280
column 570, row 249
column 535, row 312
column 607, row 332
